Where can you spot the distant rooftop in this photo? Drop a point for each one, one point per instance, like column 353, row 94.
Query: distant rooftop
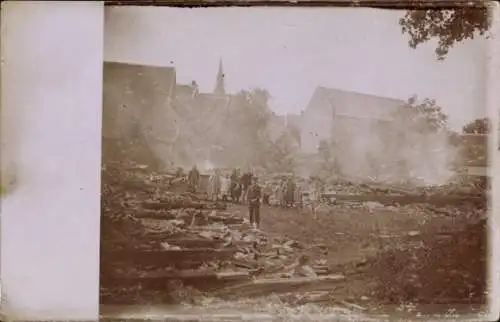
column 354, row 104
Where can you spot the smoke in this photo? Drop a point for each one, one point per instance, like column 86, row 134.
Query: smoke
column 206, row 165
column 392, row 152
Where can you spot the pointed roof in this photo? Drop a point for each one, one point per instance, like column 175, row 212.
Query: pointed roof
column 131, row 92
column 353, row 104
column 220, row 87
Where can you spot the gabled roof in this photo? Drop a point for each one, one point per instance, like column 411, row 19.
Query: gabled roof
column 144, row 77
column 135, row 101
column 131, row 92
column 353, row 104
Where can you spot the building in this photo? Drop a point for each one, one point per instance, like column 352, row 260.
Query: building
column 473, row 153
column 137, row 123
column 174, row 122
column 203, row 118
column 339, row 113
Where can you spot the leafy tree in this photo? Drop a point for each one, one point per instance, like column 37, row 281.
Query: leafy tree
column 248, row 124
column 422, row 116
column 448, row 27
column 414, row 123
column 478, row 126
column 281, row 157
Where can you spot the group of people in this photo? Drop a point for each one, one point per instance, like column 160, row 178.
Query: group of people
column 244, row 188
column 223, row 186
column 239, row 188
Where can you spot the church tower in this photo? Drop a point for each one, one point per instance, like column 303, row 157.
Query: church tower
column 220, row 87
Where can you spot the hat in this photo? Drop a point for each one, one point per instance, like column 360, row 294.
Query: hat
column 304, row 259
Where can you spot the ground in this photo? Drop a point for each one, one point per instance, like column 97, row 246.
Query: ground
column 368, row 245
column 391, row 256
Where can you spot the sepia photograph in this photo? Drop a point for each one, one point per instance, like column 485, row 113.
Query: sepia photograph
column 294, row 164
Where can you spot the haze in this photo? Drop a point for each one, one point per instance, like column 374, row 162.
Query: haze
column 290, row 51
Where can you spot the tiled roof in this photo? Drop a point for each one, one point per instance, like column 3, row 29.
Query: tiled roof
column 353, row 104
column 131, row 92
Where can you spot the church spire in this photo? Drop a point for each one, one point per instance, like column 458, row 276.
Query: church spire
column 220, row 87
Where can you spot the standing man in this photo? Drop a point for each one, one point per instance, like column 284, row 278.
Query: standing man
column 214, row 186
column 234, row 186
column 234, row 175
column 298, row 197
column 290, row 193
column 246, row 181
column 253, row 196
column 266, row 193
column 193, row 179
column 225, row 187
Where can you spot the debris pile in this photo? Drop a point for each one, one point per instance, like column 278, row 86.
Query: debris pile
column 162, row 244
column 434, row 268
column 178, row 242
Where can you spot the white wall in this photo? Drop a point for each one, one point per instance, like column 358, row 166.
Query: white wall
column 51, row 132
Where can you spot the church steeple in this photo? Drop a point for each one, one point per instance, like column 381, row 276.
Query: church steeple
column 220, row 87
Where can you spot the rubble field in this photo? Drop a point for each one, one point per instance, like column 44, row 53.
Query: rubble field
column 160, row 245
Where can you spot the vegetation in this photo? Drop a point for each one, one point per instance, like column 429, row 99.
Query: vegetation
column 448, row 27
column 424, row 116
column 478, row 126
column 246, row 137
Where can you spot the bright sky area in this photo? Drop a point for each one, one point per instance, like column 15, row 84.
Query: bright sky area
column 291, row 51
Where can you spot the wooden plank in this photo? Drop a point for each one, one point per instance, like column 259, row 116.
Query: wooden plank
column 173, row 205
column 296, row 280
column 264, row 286
column 164, row 257
column 200, row 218
column 185, row 274
column 229, row 220
column 187, row 243
column 157, row 279
column 403, row 200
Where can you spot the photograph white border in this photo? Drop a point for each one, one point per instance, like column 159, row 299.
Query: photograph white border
column 52, row 55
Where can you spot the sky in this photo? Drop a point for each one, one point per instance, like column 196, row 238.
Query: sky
column 291, row 51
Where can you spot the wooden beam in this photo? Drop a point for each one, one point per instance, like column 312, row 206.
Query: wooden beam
column 164, row 257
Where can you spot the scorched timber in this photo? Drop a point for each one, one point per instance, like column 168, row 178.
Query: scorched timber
column 404, row 200
column 187, row 243
column 159, row 278
column 182, row 204
column 199, row 219
column 165, row 257
column 263, row 286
